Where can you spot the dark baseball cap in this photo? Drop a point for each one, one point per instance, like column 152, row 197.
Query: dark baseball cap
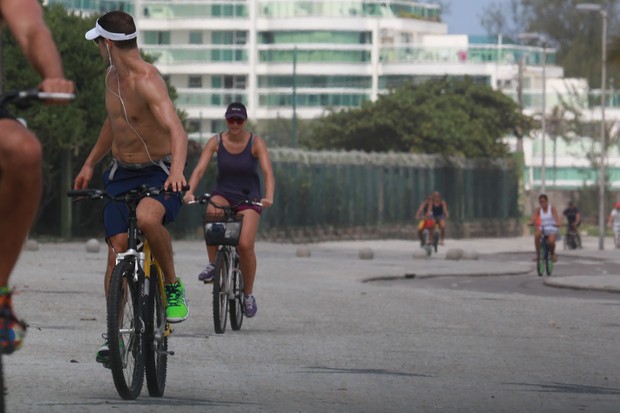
column 236, row 110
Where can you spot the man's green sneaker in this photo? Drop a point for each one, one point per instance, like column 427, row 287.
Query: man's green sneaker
column 176, row 306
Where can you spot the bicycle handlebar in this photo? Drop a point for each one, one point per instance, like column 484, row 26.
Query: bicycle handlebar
column 206, row 198
column 140, row 192
column 22, row 96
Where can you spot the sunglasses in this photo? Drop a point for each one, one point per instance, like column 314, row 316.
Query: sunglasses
column 238, row 121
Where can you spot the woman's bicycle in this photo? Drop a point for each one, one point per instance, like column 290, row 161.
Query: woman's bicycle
column 137, row 327
column 223, row 230
column 10, row 325
column 544, row 261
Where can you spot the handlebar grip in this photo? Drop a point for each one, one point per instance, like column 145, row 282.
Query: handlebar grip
column 91, row 193
column 79, row 192
column 55, row 96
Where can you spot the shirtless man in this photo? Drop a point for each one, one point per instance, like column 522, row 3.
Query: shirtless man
column 148, row 145
column 20, row 155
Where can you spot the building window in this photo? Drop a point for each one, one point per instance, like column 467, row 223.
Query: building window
column 194, row 82
column 156, row 37
column 195, row 37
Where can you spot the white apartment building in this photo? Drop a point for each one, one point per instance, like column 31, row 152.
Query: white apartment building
column 299, row 57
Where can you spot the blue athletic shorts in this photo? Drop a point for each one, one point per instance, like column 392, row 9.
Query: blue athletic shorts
column 115, row 214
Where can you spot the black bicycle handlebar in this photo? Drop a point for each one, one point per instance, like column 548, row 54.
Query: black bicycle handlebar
column 140, row 192
column 22, row 96
column 206, row 198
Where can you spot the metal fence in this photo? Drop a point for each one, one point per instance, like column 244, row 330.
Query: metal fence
column 335, row 192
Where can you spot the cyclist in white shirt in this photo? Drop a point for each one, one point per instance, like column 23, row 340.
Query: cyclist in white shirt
column 614, row 221
column 546, row 219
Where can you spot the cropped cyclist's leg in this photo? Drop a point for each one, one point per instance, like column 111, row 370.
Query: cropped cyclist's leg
column 551, row 238
column 151, row 214
column 20, row 191
column 116, row 244
column 207, row 274
column 247, row 258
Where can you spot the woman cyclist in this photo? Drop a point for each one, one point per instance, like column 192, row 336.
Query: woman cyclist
column 546, row 219
column 440, row 212
column 239, row 154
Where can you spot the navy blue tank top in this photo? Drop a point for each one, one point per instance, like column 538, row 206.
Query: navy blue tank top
column 237, row 172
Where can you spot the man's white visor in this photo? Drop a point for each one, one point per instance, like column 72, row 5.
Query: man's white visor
column 99, row 31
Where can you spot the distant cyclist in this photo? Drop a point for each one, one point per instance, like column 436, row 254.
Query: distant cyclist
column 614, row 221
column 420, row 216
column 546, row 219
column 573, row 220
column 439, row 207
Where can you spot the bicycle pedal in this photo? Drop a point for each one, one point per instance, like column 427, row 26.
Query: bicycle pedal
column 106, row 365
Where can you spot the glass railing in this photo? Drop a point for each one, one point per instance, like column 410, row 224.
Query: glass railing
column 193, row 9
column 209, row 97
column 196, row 54
column 348, row 8
column 318, row 55
column 96, row 6
column 333, row 99
column 505, row 54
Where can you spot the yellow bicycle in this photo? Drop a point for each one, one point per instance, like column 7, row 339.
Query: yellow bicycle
column 137, row 327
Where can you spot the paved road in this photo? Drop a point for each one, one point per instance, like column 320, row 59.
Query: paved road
column 326, row 339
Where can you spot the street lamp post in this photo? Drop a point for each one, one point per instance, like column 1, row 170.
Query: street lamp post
column 540, row 38
column 601, row 173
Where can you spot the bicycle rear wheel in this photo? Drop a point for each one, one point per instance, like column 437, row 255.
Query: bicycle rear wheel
column 435, row 239
column 235, row 305
column 125, row 339
column 156, row 347
column 220, row 298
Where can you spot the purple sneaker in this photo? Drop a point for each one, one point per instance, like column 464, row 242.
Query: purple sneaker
column 249, row 305
column 207, row 274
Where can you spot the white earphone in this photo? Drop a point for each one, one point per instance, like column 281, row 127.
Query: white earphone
column 109, row 55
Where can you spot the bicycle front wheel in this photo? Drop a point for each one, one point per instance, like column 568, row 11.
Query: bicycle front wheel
column 124, row 336
column 236, row 304
column 220, row 294
column 156, row 347
column 540, row 263
column 549, row 265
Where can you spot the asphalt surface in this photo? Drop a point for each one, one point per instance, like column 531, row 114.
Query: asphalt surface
column 328, row 338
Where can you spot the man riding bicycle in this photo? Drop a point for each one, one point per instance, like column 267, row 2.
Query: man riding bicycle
column 573, row 220
column 545, row 217
column 149, row 147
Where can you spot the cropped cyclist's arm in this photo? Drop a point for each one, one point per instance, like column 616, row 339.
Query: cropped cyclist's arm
column 445, row 208
column 265, row 164
column 152, row 88
column 102, row 148
column 25, row 20
column 200, row 168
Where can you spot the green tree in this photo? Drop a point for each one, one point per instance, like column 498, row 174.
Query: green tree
column 446, row 116
column 67, row 132
column 575, row 34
